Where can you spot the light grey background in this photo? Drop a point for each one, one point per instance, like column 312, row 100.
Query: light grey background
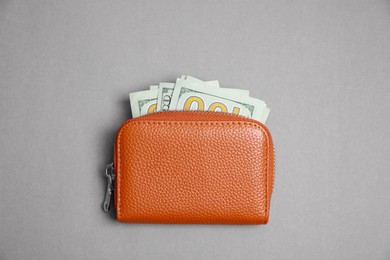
column 67, row 68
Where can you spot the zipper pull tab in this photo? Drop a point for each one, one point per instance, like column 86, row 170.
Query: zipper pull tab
column 110, row 186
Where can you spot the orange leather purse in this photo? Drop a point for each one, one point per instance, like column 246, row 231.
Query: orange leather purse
column 192, row 167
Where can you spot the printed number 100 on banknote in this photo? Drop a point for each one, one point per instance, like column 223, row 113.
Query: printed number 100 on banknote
column 193, row 100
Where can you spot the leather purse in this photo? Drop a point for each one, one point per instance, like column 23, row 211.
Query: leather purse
column 192, row 167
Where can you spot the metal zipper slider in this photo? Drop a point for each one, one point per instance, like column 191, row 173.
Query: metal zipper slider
column 110, row 186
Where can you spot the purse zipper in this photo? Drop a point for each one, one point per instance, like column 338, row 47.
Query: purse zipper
column 111, row 175
column 110, row 186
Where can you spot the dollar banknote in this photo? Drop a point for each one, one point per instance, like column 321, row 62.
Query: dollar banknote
column 190, row 93
column 196, row 97
column 143, row 102
column 166, row 89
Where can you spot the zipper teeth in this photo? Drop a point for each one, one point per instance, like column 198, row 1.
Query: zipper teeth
column 274, row 162
column 197, row 111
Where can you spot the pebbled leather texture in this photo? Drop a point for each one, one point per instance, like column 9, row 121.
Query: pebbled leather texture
column 193, row 167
